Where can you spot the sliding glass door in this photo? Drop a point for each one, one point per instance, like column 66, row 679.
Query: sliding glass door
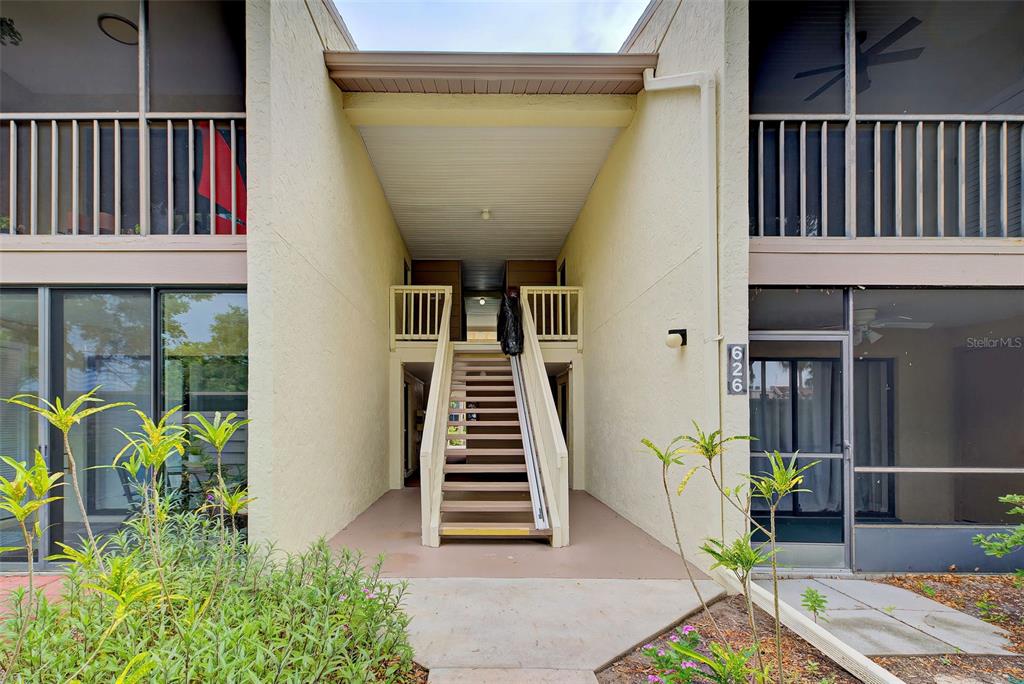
column 99, row 339
column 798, row 391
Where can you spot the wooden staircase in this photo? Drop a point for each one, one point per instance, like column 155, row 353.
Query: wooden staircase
column 485, row 491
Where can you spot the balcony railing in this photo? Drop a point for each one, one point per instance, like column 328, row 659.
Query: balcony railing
column 557, row 313
column 417, row 312
column 886, row 176
column 111, row 174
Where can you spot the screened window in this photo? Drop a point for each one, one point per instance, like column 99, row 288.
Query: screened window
column 937, row 386
column 206, row 72
column 56, row 57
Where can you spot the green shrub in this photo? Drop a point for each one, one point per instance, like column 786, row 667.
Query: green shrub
column 212, row 609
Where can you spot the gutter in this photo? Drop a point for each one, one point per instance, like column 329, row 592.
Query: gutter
column 853, row 661
column 704, row 83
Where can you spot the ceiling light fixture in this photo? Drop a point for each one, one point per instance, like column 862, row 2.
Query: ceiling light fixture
column 483, row 301
column 118, row 28
column 485, row 214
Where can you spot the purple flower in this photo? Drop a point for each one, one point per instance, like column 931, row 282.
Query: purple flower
column 370, row 594
column 653, row 678
column 209, row 497
column 674, row 637
column 648, row 646
column 689, row 664
column 689, row 628
column 661, row 651
column 343, row 597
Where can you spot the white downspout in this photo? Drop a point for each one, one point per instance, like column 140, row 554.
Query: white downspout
column 704, row 83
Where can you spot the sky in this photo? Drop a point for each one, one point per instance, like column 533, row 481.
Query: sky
column 491, row 25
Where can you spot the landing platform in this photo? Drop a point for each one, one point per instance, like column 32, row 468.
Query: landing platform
column 603, row 545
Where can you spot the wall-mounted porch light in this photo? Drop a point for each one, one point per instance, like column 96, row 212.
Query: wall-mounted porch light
column 676, row 338
column 485, row 214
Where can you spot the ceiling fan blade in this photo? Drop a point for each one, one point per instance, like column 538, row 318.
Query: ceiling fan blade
column 831, row 82
column 822, row 70
column 909, row 325
column 894, row 35
column 897, row 56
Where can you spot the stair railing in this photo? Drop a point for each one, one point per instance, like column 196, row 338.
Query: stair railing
column 435, row 430
column 549, row 442
column 533, row 476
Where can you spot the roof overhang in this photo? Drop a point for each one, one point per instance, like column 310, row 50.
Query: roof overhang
column 489, row 73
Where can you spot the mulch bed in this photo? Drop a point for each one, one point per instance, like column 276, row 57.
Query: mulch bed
column 419, row 674
column 996, row 599
column 802, row 662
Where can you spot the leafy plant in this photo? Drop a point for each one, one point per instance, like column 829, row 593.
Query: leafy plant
column 989, row 611
column 64, row 418
column 782, row 480
column 1000, row 544
column 928, row 590
column 318, row 616
column 176, row 596
column 23, row 498
column 672, row 454
column 681, row 661
column 814, row 602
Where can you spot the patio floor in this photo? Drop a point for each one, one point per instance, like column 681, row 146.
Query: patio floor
column 603, row 545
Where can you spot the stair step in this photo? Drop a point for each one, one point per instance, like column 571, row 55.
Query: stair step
column 505, row 389
column 485, row 467
column 465, row 409
column 462, row 451
column 490, row 435
column 482, row 423
column 486, row 506
column 486, row 486
column 510, row 399
column 488, row 529
column 481, row 378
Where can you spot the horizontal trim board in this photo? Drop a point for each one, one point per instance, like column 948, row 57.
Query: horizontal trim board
column 488, row 73
column 939, row 262
column 124, row 265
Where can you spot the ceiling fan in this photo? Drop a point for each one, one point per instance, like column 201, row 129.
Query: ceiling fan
column 866, row 325
column 872, row 56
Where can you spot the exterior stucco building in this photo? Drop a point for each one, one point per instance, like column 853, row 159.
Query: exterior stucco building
column 227, row 205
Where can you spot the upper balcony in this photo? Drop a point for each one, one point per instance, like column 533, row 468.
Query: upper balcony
column 117, row 120
column 877, row 120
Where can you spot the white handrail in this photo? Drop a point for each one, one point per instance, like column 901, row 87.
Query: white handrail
column 540, row 512
column 435, row 429
column 557, row 312
column 552, row 452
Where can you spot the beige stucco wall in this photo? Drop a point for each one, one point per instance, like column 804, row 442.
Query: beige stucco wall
column 640, row 250
column 323, row 249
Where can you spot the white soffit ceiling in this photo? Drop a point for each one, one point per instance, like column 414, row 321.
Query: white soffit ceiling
column 533, row 180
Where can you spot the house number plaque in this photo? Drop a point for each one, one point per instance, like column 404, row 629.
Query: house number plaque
column 736, row 378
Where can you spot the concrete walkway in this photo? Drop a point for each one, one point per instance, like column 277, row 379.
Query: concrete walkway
column 538, row 630
column 880, row 619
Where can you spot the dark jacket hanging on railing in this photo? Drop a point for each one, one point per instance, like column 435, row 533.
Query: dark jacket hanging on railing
column 510, row 325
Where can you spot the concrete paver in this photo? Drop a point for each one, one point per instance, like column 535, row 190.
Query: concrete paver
column 874, row 633
column 965, row 632
column 557, row 624
column 880, row 619
column 884, row 597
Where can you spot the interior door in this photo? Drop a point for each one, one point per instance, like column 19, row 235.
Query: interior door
column 798, row 407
